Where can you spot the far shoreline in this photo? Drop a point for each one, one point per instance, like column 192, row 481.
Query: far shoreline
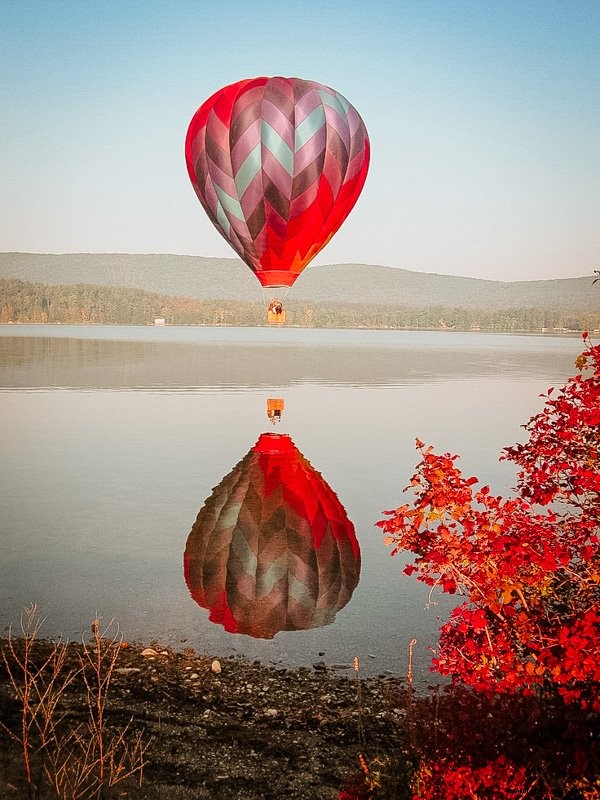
column 554, row 333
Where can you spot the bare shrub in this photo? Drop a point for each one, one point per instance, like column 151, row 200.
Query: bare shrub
column 77, row 760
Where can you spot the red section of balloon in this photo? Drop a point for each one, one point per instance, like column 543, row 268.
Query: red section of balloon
column 277, row 163
column 272, row 548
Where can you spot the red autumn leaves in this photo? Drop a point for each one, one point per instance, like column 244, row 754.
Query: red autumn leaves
column 528, row 565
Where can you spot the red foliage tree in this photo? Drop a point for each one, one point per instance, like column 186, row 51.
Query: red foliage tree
column 528, row 565
column 473, row 746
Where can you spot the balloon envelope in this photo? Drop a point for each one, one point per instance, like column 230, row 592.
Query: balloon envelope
column 277, row 163
column 272, row 548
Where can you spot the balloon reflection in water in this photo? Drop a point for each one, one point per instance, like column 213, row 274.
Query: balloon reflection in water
column 272, row 549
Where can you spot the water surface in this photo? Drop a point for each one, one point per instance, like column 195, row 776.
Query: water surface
column 113, row 439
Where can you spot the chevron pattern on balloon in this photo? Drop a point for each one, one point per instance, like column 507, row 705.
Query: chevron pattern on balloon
column 277, row 163
column 272, row 548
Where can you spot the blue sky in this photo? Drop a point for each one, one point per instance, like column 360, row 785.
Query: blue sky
column 484, row 119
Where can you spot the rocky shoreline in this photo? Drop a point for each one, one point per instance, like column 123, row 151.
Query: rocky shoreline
column 230, row 728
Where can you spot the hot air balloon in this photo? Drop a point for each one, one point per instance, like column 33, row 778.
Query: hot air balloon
column 272, row 549
column 277, row 163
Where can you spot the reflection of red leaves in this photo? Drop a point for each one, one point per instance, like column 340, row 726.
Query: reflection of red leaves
column 531, row 575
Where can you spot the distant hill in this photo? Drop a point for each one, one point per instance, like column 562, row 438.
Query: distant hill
column 229, row 279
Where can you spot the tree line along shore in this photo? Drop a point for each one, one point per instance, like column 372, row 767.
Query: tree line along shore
column 76, row 304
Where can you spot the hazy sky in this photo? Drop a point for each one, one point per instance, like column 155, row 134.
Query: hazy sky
column 484, row 119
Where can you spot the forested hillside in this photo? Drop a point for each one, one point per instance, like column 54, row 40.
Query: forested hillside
column 229, row 280
column 23, row 302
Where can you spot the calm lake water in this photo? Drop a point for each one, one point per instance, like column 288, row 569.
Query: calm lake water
column 113, row 439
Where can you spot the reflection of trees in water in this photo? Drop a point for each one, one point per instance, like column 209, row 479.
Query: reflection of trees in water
column 65, row 361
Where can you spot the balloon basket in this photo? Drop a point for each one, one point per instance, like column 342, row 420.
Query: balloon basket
column 275, row 313
column 276, row 319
